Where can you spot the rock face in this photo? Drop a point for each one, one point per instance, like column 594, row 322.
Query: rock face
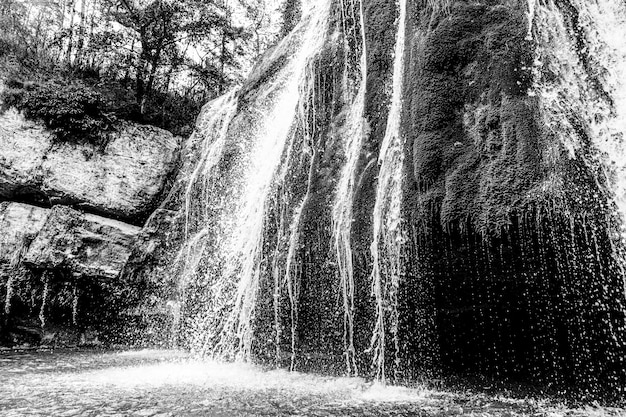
column 85, row 245
column 62, row 238
column 17, row 223
column 124, row 180
column 61, row 255
column 60, row 267
column 24, row 146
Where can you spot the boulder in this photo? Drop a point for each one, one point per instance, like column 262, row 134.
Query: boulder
column 23, row 147
column 84, row 244
column 123, row 180
column 17, row 223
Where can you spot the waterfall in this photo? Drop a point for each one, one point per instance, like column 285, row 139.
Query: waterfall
column 273, row 225
column 342, row 216
column 227, row 198
column 211, row 138
column 580, row 76
column 387, row 233
column 581, row 80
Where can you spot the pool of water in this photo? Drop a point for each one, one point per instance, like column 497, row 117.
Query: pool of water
column 172, row 383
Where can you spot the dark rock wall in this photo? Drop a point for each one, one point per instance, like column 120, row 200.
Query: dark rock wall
column 513, row 240
column 45, row 235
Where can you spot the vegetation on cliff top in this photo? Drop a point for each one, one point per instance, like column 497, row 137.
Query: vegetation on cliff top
column 79, row 65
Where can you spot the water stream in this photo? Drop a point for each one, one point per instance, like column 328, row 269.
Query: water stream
column 225, row 251
column 343, row 217
column 387, row 234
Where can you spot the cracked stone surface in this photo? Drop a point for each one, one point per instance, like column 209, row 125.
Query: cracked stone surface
column 123, row 180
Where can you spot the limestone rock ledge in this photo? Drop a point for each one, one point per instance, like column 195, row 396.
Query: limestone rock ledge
column 124, row 180
column 63, row 238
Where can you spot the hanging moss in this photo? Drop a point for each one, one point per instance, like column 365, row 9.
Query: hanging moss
column 473, row 140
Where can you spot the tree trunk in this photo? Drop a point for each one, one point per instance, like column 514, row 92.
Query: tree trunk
column 70, row 39
column 81, row 35
column 222, row 63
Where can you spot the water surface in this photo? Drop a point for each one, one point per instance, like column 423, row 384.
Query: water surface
column 172, row 383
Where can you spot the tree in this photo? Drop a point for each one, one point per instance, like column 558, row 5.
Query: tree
column 142, row 56
column 166, row 30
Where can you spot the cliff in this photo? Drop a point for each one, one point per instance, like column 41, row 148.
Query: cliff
column 123, row 180
column 70, row 217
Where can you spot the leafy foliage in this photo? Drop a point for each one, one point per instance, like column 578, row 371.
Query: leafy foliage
column 149, row 61
column 74, row 112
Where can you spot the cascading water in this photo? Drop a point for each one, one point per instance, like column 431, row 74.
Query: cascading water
column 344, row 200
column 458, row 257
column 211, row 138
column 580, row 71
column 530, row 15
column 224, row 234
column 387, row 233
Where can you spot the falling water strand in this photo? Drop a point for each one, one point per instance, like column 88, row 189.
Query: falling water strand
column 75, row 296
column 14, row 269
column 292, row 290
column 387, row 235
column 278, row 126
column 211, row 133
column 290, row 279
column 305, row 109
column 289, row 223
column 343, row 206
column 9, row 294
column 44, row 297
column 530, row 15
column 276, row 294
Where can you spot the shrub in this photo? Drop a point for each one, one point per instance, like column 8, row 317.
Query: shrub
column 74, row 112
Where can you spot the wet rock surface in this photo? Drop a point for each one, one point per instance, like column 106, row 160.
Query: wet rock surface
column 167, row 383
column 63, row 238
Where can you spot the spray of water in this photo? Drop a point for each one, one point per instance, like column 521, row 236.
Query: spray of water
column 387, row 235
column 580, row 77
column 580, row 74
column 212, row 128
column 223, row 249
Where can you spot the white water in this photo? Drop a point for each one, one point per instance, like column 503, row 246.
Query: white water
column 150, row 383
column 387, row 235
column 211, row 135
column 342, row 216
column 225, row 252
column 599, row 107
